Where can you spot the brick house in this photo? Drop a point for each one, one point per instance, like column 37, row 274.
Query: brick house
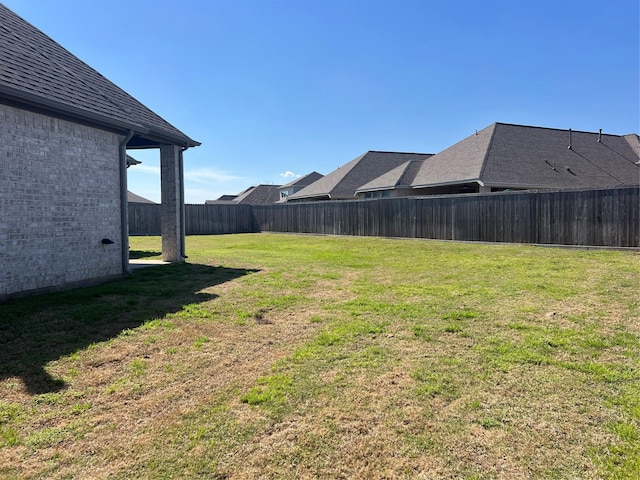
column 64, row 133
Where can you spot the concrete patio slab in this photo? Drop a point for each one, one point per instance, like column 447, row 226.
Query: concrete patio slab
column 137, row 263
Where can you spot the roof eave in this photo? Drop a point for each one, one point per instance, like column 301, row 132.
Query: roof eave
column 454, row 182
column 524, row 186
column 57, row 107
column 396, row 186
column 377, row 189
column 308, row 197
column 176, row 139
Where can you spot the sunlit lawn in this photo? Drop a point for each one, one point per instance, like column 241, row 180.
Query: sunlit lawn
column 291, row 356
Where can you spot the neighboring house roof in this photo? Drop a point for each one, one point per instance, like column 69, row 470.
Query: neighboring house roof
column 303, row 181
column 225, row 198
column 255, row 195
column 37, row 71
column 133, row 198
column 259, row 195
column 132, row 161
column 399, row 177
column 518, row 156
column 343, row 182
column 297, row 185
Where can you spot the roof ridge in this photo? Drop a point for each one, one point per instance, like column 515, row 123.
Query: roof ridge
column 408, row 170
column 353, row 165
column 397, row 153
column 405, row 171
column 634, row 142
column 554, row 128
column 301, row 178
column 486, row 152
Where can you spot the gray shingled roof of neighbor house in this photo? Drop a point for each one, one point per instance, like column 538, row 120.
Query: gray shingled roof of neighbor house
column 305, row 180
column 36, row 70
column 399, row 177
column 518, row 156
column 133, row 198
column 343, row 182
column 222, row 198
column 298, row 184
column 258, row 195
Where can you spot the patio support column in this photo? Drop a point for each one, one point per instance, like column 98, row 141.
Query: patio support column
column 172, row 203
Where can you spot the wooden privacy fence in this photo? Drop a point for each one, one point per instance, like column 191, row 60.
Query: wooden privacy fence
column 204, row 220
column 144, row 219
column 606, row 217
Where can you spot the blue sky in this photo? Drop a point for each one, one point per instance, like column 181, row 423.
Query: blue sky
column 278, row 88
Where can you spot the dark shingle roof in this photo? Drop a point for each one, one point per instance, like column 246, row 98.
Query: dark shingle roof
column 459, row 163
column 258, row 195
column 305, row 180
column 343, row 182
column 517, row 156
column 399, row 177
column 226, row 198
column 36, row 70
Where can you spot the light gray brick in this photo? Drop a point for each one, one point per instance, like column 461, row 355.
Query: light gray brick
column 60, row 197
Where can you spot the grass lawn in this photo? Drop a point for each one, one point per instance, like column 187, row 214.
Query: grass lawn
column 289, row 356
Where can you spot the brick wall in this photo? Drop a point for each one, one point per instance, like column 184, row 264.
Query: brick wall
column 59, row 197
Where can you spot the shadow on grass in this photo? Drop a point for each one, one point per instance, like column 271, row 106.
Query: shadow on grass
column 137, row 254
column 37, row 330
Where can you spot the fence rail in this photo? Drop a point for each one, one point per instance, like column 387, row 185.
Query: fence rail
column 606, row 217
